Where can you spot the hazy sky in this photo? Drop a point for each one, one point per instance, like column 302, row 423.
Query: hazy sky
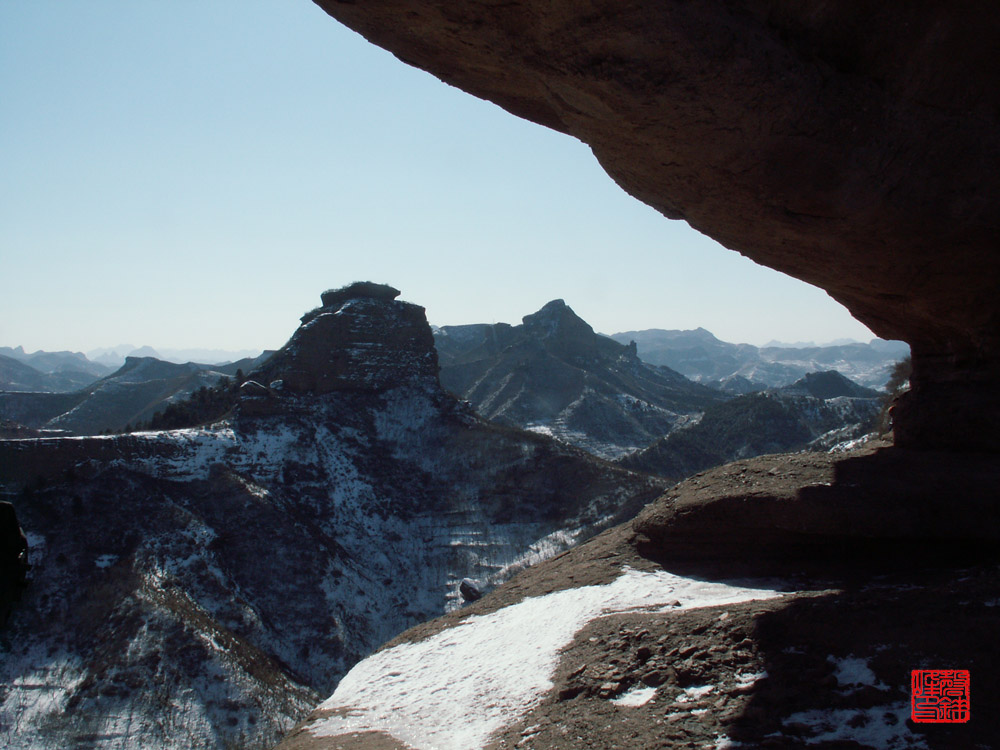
column 194, row 174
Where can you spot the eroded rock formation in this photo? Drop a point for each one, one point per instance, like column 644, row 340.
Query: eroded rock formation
column 360, row 339
column 852, row 146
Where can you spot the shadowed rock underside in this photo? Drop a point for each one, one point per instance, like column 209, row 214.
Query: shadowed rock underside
column 851, row 146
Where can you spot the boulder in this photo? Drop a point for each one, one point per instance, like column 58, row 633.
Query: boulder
column 470, row 590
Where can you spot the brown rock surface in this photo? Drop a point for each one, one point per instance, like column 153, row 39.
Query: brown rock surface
column 826, row 665
column 880, row 501
column 852, row 146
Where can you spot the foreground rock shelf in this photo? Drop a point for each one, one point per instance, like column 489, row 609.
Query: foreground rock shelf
column 812, row 645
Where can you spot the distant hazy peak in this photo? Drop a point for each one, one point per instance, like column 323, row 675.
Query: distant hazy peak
column 829, row 384
column 674, row 336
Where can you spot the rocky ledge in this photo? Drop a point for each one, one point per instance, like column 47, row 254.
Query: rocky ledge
column 747, row 608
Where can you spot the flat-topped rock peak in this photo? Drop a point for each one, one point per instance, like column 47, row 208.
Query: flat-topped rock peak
column 362, row 338
column 358, row 290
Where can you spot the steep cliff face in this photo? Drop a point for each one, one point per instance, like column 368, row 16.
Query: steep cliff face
column 360, row 339
column 853, row 147
column 205, row 588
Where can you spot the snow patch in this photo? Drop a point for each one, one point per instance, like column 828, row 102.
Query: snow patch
column 421, row 693
column 637, row 696
column 853, row 672
column 694, row 693
column 105, row 561
column 746, row 679
column 882, row 726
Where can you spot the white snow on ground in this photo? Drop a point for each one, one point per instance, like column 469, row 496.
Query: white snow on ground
column 105, row 561
column 196, row 450
column 637, row 696
column 854, row 672
column 694, row 693
column 745, row 679
column 33, row 687
column 882, row 726
column 456, row 688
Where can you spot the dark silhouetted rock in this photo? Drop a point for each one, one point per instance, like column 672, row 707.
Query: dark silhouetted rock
column 470, row 590
column 13, row 560
column 361, row 339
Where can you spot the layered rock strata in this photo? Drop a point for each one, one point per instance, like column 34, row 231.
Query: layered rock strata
column 854, row 147
column 360, row 339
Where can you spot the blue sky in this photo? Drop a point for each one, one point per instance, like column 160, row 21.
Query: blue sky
column 194, row 174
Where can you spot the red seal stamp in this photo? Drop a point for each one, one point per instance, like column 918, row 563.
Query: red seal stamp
column 939, row 696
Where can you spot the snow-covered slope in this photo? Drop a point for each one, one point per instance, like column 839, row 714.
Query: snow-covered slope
column 771, row 603
column 205, row 588
column 419, row 692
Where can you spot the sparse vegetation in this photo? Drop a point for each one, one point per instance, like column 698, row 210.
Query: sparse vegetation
column 202, row 406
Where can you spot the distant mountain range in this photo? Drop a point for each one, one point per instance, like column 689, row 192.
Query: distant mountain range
column 115, row 356
column 817, row 412
column 741, row 368
column 128, row 396
column 554, row 374
column 59, row 372
column 47, row 371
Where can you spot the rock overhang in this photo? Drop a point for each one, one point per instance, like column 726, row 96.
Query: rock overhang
column 831, row 143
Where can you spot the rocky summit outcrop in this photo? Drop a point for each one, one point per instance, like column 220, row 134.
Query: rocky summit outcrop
column 207, row 587
column 361, row 339
column 554, row 374
column 851, row 146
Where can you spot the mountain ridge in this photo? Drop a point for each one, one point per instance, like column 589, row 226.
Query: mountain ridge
column 698, row 354
column 554, row 374
column 205, row 587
